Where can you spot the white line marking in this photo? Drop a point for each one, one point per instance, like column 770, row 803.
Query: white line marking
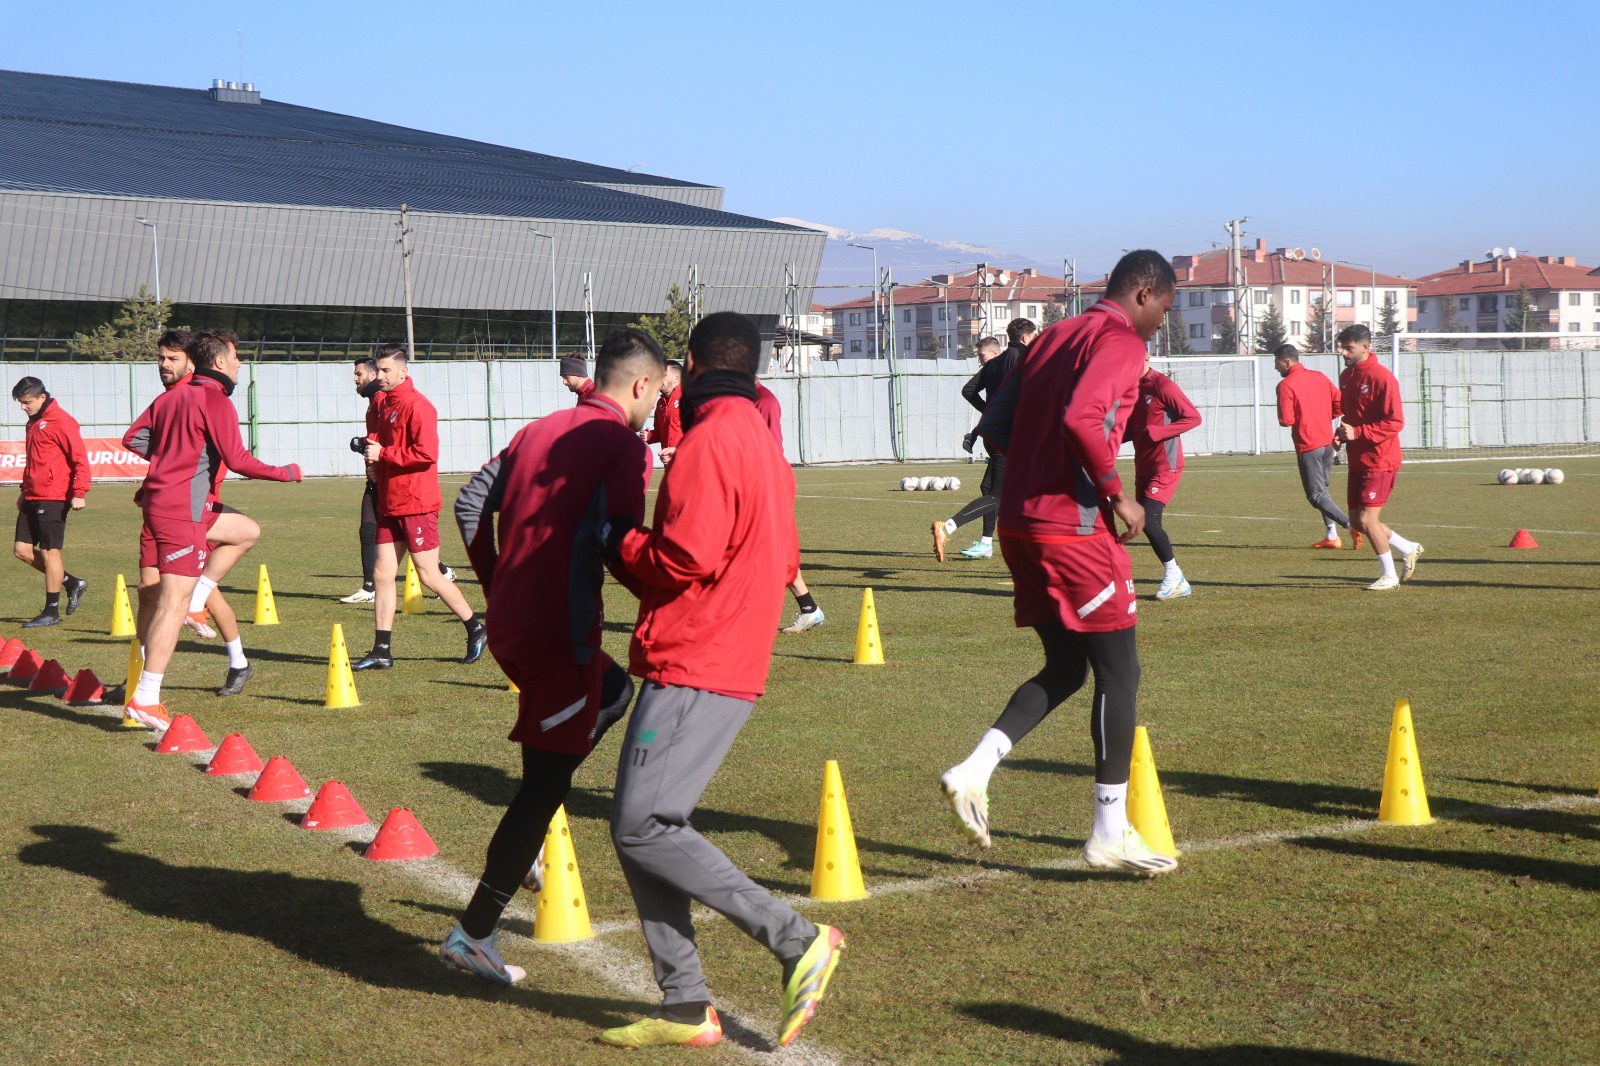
column 1409, row 525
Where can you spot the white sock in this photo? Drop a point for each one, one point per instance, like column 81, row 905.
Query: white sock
column 1404, row 546
column 202, row 592
column 987, row 755
column 949, row 525
column 148, row 694
column 1110, row 811
column 1173, row 569
column 1333, row 531
column 986, row 540
column 1386, row 560
column 236, row 659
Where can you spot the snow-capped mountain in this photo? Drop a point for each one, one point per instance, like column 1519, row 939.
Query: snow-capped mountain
column 910, row 255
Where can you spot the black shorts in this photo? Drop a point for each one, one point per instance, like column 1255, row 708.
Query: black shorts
column 43, row 523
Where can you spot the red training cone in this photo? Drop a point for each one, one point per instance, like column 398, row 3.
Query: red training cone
column 279, row 783
column 10, row 652
column 334, row 808
column 26, row 666
column 85, row 688
column 1523, row 539
column 184, row 734
column 234, row 756
column 401, row 837
column 52, row 677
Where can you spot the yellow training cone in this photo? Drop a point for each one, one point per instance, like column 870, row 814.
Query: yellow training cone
column 121, row 613
column 135, row 668
column 869, row 647
column 412, row 603
column 511, row 686
column 1147, row 812
column 836, row 871
column 266, row 610
column 341, row 682
column 562, row 914
column 1405, row 801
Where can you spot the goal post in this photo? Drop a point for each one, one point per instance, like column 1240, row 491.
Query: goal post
column 1226, row 390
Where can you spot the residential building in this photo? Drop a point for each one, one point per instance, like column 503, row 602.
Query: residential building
column 943, row 316
column 1475, row 297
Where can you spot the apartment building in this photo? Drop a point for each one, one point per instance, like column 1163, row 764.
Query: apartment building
column 1476, row 297
column 942, row 317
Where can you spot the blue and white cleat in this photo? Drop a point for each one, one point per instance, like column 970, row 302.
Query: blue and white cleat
column 805, row 620
column 478, row 957
column 1173, row 586
column 980, row 550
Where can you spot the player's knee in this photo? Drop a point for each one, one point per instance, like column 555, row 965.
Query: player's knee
column 23, row 552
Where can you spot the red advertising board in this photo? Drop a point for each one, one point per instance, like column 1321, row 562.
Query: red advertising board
column 108, row 460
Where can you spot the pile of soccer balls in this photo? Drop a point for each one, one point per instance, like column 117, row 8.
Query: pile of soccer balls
column 1525, row 476
column 930, row 484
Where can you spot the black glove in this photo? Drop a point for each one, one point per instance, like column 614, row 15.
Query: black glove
column 609, row 536
column 968, row 441
column 358, row 445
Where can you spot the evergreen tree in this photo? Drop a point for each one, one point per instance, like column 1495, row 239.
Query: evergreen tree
column 1053, row 312
column 1271, row 333
column 1389, row 316
column 1177, row 338
column 1225, row 341
column 1448, row 323
column 1317, row 323
column 131, row 335
column 671, row 328
column 1521, row 317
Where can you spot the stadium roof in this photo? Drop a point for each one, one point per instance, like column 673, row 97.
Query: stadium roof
column 79, row 135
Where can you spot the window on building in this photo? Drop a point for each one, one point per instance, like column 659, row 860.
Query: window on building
column 1294, row 329
column 870, row 317
column 1411, row 299
column 855, row 346
column 1422, row 305
column 1597, row 299
column 1001, row 313
column 1261, row 296
column 1198, row 330
column 855, row 318
column 942, row 315
column 905, row 315
column 1198, row 299
column 1574, row 299
column 1222, row 297
column 1488, row 303
column 1366, row 297
column 1294, row 296
column 1597, row 327
column 1464, row 303
column 1345, row 298
column 1391, row 296
column 1032, row 311
column 905, row 343
column 1574, row 327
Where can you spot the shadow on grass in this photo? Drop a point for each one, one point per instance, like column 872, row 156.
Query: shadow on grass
column 1338, row 801
column 1130, row 1049
column 319, row 920
column 52, row 707
column 1582, row 876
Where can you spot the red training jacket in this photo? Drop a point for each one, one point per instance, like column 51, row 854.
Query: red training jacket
column 711, row 575
column 1078, row 386
column 1160, row 414
column 1308, row 403
column 771, row 410
column 194, row 431
column 408, row 466
column 1370, row 396
column 666, row 428
column 137, row 438
column 57, row 462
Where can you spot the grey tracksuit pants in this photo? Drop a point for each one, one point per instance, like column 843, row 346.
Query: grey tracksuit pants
column 676, row 739
column 1315, row 467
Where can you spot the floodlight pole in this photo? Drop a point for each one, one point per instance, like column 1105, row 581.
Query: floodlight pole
column 551, row 238
column 404, row 241
column 877, row 310
column 155, row 252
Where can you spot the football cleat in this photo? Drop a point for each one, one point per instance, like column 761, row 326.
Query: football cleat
column 1410, row 563
column 373, row 661
column 236, row 679
column 448, row 574
column 46, row 617
column 534, row 881
column 477, row 640
column 805, row 986
column 805, row 620
column 154, row 717
column 1356, row 539
column 1173, row 587
column 478, row 957
column 197, row 623
column 1384, row 583
column 1129, row 853
column 969, row 803
column 362, row 595
column 978, row 550
column 1331, row 542
column 658, row 1032
column 938, row 541
column 75, row 594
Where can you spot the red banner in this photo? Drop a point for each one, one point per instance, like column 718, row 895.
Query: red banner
column 108, row 460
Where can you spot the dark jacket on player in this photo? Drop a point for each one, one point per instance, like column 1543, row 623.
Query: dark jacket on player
column 991, row 376
column 57, row 462
column 408, row 473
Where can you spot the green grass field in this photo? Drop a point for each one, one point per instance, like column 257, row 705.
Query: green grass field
column 149, row 914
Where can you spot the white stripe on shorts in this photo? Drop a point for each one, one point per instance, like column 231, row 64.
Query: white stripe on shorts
column 1105, row 594
column 562, row 715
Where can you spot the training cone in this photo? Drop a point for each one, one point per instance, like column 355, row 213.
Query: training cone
column 334, row 808
column 10, row 652
column 279, row 782
column 266, row 609
column 401, row 837
column 1147, row 812
column 234, row 756
column 511, row 686
column 121, row 613
column 341, row 682
column 183, row 735
column 52, row 677
column 1405, row 801
column 1523, row 539
column 562, row 914
column 85, row 688
column 26, row 666
column 412, row 602
column 869, row 648
column 836, row 870
column 135, row 668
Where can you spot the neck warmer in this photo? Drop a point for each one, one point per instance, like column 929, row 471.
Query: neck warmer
column 708, row 385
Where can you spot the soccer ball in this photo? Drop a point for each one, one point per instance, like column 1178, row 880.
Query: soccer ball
column 926, row 484
column 1554, row 477
column 955, row 483
column 908, row 484
column 1508, row 477
column 941, row 483
column 1533, row 477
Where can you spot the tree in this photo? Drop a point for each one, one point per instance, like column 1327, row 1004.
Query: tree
column 131, row 335
column 1053, row 312
column 1317, row 323
column 1177, row 340
column 1389, row 315
column 671, row 328
column 1225, row 341
column 1271, row 332
column 1521, row 313
column 1447, row 315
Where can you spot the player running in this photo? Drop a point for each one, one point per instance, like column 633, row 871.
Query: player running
column 1308, row 403
column 710, row 578
column 1370, row 425
column 193, row 439
column 55, row 481
column 1074, row 583
column 557, row 481
column 1160, row 415
column 405, row 452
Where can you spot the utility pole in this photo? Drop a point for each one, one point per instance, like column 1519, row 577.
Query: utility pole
column 588, row 316
column 696, row 295
column 404, row 241
column 1241, row 292
column 985, row 311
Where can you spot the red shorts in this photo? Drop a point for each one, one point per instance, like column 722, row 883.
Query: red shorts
column 1084, row 585
column 1160, row 487
column 147, row 543
column 414, row 532
column 1368, row 488
column 174, row 545
column 559, row 703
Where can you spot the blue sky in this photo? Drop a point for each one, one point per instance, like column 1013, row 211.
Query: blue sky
column 1412, row 135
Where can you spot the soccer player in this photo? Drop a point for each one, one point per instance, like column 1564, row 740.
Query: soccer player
column 710, row 577
column 575, row 375
column 995, row 366
column 1073, row 580
column 557, row 480
column 1370, row 426
column 666, row 427
column 193, row 438
column 810, row 615
column 1160, row 415
column 405, row 452
column 55, row 481
column 1308, row 403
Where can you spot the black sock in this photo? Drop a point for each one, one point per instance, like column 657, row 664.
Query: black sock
column 693, row 1013
column 52, row 602
column 380, row 643
column 474, row 624
column 807, row 603
column 792, row 961
column 67, row 581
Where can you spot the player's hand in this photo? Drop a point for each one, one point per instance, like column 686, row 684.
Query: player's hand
column 295, row 473
column 373, row 450
column 1131, row 513
column 1343, row 434
column 666, row 456
column 968, row 441
column 78, row 503
column 609, row 535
